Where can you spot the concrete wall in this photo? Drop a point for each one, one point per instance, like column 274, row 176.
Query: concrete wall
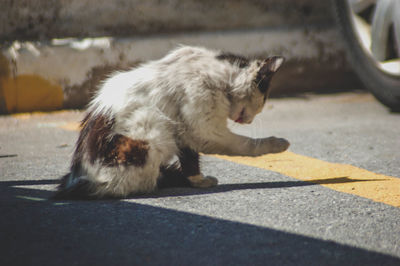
column 44, row 19
column 54, row 53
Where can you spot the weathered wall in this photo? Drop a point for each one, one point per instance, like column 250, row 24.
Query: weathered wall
column 42, row 69
column 47, row 19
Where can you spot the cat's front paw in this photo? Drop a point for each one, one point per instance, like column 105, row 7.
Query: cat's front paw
column 271, row 145
column 278, row 145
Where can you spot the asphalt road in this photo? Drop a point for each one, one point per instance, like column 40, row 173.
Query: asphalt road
column 254, row 217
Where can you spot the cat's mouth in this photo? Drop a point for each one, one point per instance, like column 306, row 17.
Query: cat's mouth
column 241, row 117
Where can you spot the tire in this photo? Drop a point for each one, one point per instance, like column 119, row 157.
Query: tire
column 383, row 85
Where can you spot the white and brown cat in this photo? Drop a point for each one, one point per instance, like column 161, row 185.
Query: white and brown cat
column 141, row 119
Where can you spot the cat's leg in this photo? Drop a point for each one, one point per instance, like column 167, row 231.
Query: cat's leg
column 229, row 143
column 190, row 165
column 171, row 176
column 118, row 157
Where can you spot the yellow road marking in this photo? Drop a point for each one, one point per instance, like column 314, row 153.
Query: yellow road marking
column 340, row 177
column 71, row 126
column 29, row 115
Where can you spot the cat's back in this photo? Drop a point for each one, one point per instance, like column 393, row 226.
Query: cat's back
column 189, row 64
column 184, row 57
column 184, row 70
column 187, row 55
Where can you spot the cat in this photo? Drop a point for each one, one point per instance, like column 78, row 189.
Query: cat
column 177, row 106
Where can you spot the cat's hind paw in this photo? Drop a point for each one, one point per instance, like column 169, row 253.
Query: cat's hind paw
column 200, row 181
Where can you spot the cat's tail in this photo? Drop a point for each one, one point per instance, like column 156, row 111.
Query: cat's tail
column 75, row 188
column 171, row 176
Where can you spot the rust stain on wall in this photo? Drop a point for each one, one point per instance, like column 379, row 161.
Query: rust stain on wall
column 25, row 93
column 4, row 73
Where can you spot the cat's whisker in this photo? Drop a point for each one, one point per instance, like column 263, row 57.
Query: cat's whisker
column 255, row 128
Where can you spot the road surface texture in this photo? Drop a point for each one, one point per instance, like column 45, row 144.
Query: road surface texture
column 332, row 199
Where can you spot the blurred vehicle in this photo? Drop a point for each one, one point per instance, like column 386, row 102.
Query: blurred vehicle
column 371, row 31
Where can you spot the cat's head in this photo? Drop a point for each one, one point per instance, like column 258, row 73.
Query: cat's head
column 251, row 87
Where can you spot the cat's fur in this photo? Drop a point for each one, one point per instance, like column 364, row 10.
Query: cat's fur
column 176, row 106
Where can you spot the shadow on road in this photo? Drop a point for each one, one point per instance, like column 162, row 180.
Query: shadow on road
column 341, row 180
column 117, row 232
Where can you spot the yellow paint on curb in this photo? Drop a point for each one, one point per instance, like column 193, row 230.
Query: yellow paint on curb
column 29, row 115
column 26, row 93
column 340, row 177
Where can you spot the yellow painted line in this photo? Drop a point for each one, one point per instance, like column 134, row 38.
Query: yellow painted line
column 340, row 177
column 29, row 115
column 71, row 126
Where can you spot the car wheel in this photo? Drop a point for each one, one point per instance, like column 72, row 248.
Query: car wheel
column 371, row 32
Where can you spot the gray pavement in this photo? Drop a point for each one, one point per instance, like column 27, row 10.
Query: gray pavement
column 254, row 217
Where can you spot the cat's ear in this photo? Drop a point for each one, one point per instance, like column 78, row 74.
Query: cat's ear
column 271, row 64
column 268, row 67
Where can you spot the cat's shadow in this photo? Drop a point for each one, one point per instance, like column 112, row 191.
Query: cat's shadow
column 221, row 188
column 24, row 190
column 182, row 191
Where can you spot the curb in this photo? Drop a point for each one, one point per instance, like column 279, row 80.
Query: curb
column 64, row 73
